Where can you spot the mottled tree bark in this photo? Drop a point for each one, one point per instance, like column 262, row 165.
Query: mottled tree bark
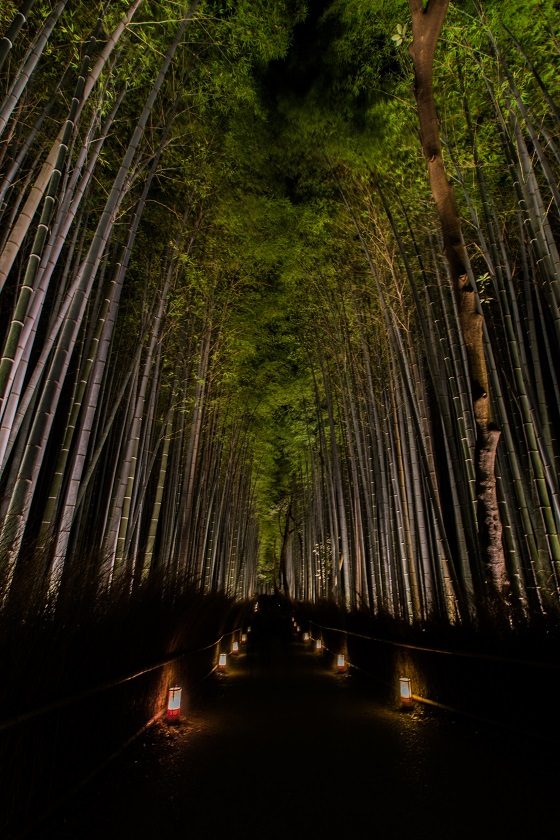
column 427, row 23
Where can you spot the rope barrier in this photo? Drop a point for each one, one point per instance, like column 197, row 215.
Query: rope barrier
column 466, row 654
column 72, row 791
column 426, row 701
column 56, row 705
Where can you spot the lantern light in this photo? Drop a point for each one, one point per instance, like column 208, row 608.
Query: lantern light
column 244, row 638
column 340, row 663
column 318, row 645
column 222, row 661
column 306, row 637
column 174, row 704
column 235, row 647
column 248, row 629
column 298, row 629
column 406, row 692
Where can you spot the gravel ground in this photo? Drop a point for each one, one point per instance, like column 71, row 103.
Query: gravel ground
column 281, row 746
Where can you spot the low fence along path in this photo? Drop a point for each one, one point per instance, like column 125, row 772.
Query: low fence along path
column 282, row 745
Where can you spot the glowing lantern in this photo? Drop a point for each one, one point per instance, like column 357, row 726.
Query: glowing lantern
column 174, row 704
column 248, row 629
column 235, row 647
column 318, row 645
column 244, row 638
column 222, row 659
column 340, row 663
column 406, row 692
column 298, row 629
column 306, row 637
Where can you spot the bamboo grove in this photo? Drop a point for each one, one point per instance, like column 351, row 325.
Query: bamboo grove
column 110, row 369
column 233, row 349
column 396, row 484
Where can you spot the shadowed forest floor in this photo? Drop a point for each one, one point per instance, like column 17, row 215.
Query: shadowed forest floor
column 282, row 746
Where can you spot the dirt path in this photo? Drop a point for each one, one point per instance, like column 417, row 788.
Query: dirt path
column 283, row 747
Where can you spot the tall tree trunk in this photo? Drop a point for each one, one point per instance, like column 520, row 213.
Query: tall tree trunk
column 427, row 24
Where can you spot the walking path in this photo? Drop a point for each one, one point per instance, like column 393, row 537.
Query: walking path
column 284, row 747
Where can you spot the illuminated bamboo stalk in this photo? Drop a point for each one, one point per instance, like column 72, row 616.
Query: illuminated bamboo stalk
column 360, row 480
column 25, row 72
column 341, row 558
column 22, row 305
column 66, row 215
column 116, row 538
column 23, row 222
column 14, row 526
column 349, row 487
column 14, row 29
column 524, row 111
column 191, row 457
column 390, row 526
column 26, row 340
column 100, row 334
column 19, row 190
column 351, row 389
column 377, row 482
column 423, row 547
column 7, row 183
column 19, row 399
column 498, row 264
column 429, row 329
column 530, row 205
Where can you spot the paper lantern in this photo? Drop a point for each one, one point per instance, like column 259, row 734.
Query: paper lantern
column 174, row 704
column 340, row 663
column 406, row 692
column 222, row 659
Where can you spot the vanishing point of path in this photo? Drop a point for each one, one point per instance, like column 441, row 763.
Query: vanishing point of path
column 283, row 747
